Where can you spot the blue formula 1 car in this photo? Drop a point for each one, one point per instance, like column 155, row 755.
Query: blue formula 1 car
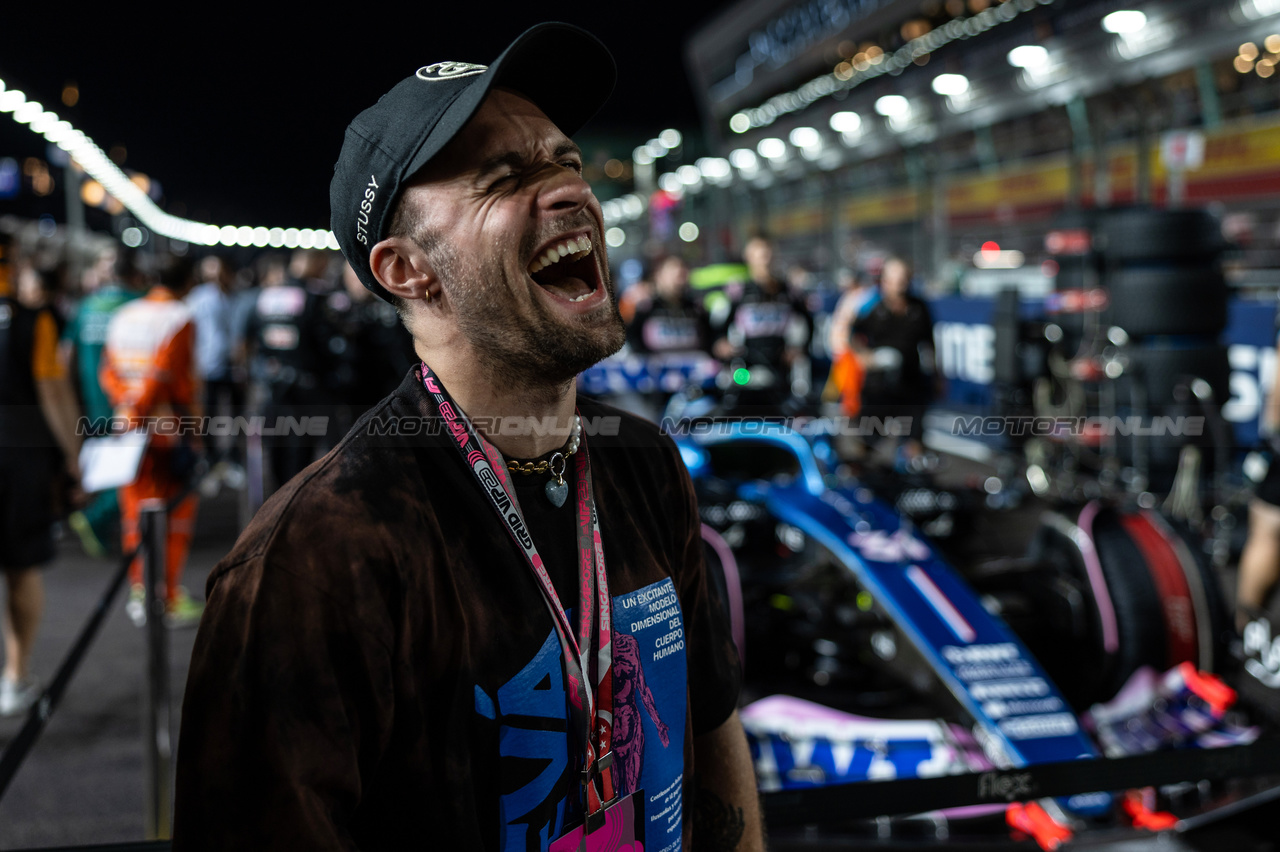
column 894, row 664
column 895, row 576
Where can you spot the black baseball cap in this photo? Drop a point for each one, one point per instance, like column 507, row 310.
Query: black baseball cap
column 563, row 69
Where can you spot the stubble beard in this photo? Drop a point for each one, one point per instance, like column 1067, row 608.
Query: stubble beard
column 535, row 351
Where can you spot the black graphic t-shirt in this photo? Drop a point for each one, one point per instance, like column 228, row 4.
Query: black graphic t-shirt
column 906, row 332
column 377, row 669
column 661, row 326
column 765, row 324
column 289, row 330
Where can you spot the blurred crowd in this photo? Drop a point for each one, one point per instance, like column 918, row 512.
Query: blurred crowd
column 297, row 336
column 290, row 335
column 289, row 349
column 791, row 342
column 294, row 340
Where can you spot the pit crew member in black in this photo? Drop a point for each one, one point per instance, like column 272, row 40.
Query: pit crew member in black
column 289, row 335
column 895, row 340
column 672, row 321
column 672, row 332
column 371, row 350
column 767, row 330
column 378, row 666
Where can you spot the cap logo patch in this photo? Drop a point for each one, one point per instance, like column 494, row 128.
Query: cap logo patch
column 366, row 206
column 449, row 70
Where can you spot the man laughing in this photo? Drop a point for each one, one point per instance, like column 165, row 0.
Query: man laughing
column 425, row 638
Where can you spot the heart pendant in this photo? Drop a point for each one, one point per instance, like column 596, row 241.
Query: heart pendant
column 557, row 491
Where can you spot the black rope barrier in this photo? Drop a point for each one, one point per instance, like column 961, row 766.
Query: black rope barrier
column 136, row 846
column 869, row 799
column 40, row 713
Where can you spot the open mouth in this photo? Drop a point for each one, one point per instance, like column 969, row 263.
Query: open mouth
column 567, row 269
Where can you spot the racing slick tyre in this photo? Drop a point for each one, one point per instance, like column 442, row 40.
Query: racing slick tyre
column 1168, row 300
column 1214, row 628
column 1171, row 419
column 1137, row 234
column 1077, row 661
column 1161, row 367
column 1139, row 617
column 1172, row 585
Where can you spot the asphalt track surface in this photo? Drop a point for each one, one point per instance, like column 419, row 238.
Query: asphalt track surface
column 82, row 782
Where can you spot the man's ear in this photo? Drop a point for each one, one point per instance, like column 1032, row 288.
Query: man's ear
column 402, row 267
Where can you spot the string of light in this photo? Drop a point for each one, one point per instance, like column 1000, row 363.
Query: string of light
column 99, row 166
column 847, row 76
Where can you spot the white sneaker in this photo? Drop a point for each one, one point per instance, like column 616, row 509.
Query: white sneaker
column 234, row 477
column 17, row 698
column 136, row 607
column 210, row 486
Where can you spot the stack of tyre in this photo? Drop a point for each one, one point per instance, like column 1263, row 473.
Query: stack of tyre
column 1163, row 272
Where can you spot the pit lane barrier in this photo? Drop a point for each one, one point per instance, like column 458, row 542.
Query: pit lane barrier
column 157, row 736
column 870, row 799
column 782, row 809
column 844, row 803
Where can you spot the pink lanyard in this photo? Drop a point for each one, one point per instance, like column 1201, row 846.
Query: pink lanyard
column 592, row 708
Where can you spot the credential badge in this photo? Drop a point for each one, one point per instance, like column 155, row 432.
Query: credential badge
column 449, row 70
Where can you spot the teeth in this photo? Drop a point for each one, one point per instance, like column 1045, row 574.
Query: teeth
column 575, row 249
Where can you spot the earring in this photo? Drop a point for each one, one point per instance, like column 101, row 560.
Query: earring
column 428, row 297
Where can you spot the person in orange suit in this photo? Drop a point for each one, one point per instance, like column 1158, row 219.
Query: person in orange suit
column 149, row 374
column 847, row 370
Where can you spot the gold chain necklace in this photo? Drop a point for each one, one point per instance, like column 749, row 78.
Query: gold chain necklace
column 556, row 487
column 517, row 466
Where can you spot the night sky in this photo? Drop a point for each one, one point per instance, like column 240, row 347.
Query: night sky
column 241, row 118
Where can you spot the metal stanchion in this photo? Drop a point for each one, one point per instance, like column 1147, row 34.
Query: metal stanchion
column 156, row 732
